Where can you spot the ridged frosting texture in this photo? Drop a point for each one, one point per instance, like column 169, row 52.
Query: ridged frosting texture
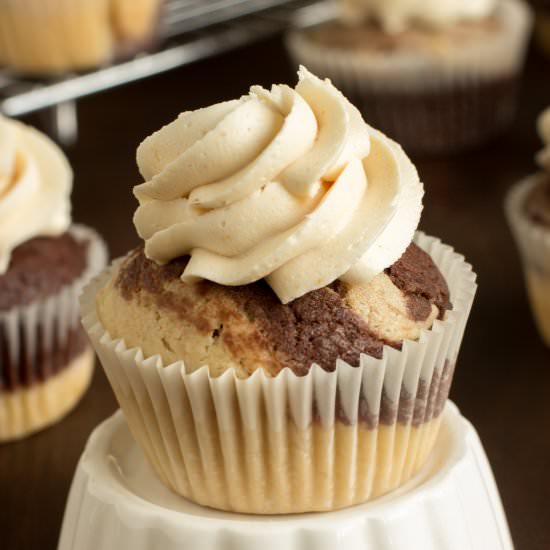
column 290, row 185
column 543, row 158
column 397, row 15
column 35, row 187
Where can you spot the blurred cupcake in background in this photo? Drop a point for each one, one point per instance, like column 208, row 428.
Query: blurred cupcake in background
column 56, row 36
column 542, row 27
column 45, row 360
column 528, row 210
column 134, row 21
column 437, row 76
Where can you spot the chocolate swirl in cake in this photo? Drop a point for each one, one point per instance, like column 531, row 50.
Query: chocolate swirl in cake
column 318, row 327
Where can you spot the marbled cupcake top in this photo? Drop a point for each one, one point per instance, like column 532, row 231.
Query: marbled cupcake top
column 40, row 267
column 246, row 327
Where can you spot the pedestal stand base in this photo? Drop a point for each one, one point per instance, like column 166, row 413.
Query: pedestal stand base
column 116, row 502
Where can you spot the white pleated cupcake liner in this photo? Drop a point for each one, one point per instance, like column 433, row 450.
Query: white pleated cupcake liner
column 290, row 444
column 53, row 37
column 457, row 99
column 30, row 334
column 533, row 242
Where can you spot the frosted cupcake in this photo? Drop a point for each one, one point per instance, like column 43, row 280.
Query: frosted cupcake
column 53, row 37
column 528, row 209
column 437, row 76
column 282, row 343
column 45, row 359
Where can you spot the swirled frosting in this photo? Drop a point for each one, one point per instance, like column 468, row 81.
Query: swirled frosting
column 35, row 187
column 289, row 185
column 543, row 157
column 396, row 15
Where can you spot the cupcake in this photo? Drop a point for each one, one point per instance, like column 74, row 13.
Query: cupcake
column 282, row 342
column 45, row 359
column 528, row 210
column 437, row 76
column 53, row 37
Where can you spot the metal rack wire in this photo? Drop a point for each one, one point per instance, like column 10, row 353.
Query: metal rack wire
column 191, row 30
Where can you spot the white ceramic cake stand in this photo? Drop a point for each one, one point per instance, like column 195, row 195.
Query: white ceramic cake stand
column 117, row 503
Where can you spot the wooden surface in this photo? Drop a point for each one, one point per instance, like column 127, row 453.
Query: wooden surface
column 503, row 375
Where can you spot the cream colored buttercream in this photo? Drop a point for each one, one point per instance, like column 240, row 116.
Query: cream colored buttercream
column 35, row 187
column 397, row 15
column 288, row 184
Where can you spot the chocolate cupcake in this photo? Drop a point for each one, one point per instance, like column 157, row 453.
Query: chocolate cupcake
column 45, row 359
column 528, row 210
column 280, row 345
column 435, row 76
column 48, row 38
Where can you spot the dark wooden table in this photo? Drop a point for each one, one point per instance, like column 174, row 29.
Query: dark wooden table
column 503, row 377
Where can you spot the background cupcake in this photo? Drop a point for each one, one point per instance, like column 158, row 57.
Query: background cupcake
column 435, row 76
column 528, row 209
column 258, row 264
column 43, row 38
column 45, row 360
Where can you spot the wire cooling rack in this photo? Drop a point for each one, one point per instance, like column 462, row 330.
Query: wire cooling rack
column 190, row 30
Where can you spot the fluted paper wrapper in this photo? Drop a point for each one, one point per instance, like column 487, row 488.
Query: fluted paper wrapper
column 533, row 242
column 290, row 444
column 431, row 104
column 32, row 393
